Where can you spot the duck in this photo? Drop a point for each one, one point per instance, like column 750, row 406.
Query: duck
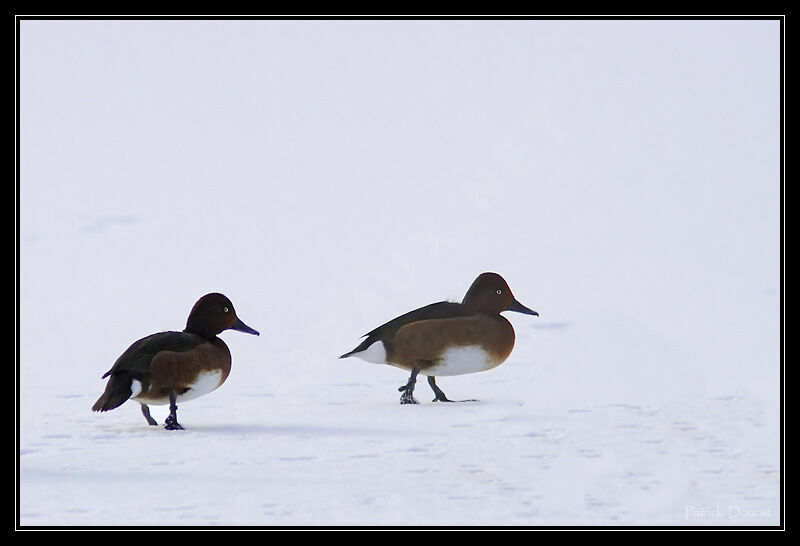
column 170, row 367
column 447, row 338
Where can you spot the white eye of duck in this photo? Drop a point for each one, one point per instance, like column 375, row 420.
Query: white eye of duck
column 225, row 309
column 499, row 291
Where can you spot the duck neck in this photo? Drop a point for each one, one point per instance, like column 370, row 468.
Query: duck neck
column 200, row 330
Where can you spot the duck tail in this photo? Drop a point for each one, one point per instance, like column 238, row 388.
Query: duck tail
column 118, row 390
column 372, row 350
column 361, row 347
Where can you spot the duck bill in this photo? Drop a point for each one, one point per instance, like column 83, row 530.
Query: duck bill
column 242, row 327
column 519, row 308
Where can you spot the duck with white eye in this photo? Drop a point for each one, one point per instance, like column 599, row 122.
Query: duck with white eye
column 447, row 338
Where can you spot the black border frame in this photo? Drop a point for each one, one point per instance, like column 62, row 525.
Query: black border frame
column 782, row 17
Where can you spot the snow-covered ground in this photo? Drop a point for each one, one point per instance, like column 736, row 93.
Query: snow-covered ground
column 327, row 176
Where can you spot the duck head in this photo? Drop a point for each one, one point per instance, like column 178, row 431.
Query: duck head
column 491, row 295
column 212, row 314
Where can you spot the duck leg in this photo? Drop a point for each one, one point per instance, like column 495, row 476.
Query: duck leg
column 146, row 412
column 171, row 423
column 408, row 389
column 440, row 396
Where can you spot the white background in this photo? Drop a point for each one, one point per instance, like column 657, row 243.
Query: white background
column 623, row 176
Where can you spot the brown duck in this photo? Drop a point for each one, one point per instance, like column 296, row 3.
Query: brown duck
column 171, row 367
column 447, row 338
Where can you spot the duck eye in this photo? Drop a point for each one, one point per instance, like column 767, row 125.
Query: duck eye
column 499, row 291
column 225, row 309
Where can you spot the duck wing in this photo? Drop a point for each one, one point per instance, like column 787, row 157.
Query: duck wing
column 136, row 359
column 385, row 332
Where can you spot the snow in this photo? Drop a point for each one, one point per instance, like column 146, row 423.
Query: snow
column 623, row 176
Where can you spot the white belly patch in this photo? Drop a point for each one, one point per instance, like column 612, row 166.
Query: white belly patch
column 462, row 360
column 205, row 383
